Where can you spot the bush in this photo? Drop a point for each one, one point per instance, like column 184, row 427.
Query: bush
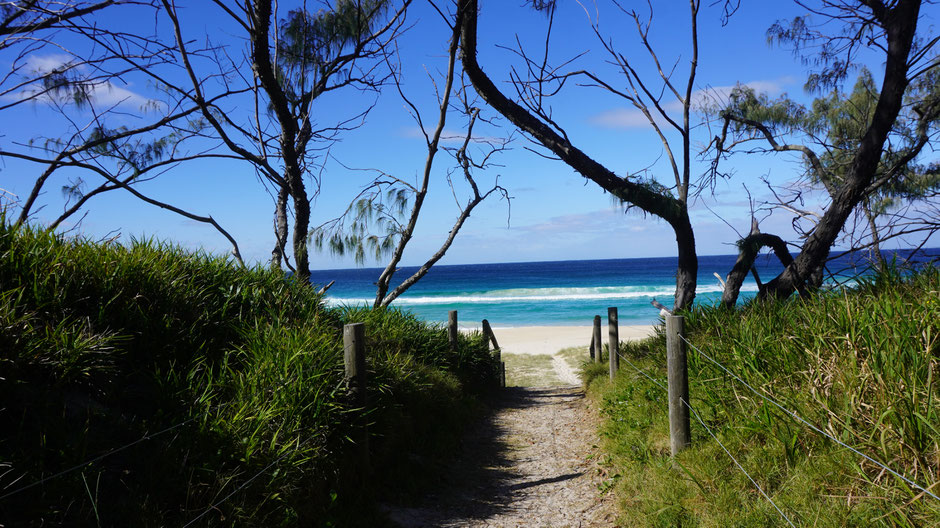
column 232, row 377
column 859, row 364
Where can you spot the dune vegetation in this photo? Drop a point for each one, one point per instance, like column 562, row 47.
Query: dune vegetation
column 861, row 365
column 145, row 385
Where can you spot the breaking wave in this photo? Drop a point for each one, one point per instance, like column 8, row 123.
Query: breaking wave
column 537, row 295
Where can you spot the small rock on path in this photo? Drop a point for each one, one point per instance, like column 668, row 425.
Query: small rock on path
column 531, row 464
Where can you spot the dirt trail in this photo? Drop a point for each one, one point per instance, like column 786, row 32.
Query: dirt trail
column 563, row 369
column 531, row 464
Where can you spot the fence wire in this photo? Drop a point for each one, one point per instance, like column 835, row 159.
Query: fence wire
column 712, row 434
column 807, row 423
column 147, row 436
column 754, row 482
column 639, row 370
column 215, row 506
column 97, row 458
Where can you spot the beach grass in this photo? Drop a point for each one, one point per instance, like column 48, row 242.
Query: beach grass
column 530, row 370
column 860, row 364
column 575, row 357
column 199, row 389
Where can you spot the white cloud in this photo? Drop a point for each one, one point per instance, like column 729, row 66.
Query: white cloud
column 715, row 94
column 449, row 135
column 621, row 118
column 43, row 64
column 578, row 224
column 603, row 233
column 634, row 118
column 102, row 94
column 109, row 94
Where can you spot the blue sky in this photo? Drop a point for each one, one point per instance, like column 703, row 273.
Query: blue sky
column 555, row 213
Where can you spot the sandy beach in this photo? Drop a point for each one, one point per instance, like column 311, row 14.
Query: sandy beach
column 551, row 339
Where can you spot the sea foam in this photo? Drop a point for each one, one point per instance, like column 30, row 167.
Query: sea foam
column 537, row 295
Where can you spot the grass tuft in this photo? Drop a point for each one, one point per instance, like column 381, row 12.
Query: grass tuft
column 101, row 346
column 860, row 364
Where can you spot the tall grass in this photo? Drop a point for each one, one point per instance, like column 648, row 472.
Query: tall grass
column 102, row 345
column 861, row 365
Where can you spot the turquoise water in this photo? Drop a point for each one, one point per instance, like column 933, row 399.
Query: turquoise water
column 548, row 293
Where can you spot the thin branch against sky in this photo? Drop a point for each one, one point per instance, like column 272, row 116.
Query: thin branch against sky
column 388, row 140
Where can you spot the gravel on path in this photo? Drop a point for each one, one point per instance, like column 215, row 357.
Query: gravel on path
column 533, row 463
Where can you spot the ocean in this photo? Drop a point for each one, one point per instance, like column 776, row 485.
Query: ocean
column 562, row 293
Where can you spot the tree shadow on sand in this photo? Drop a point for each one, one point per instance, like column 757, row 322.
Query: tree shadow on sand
column 482, row 481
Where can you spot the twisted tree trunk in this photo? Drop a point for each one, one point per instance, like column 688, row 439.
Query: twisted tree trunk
column 280, row 228
column 748, row 248
column 900, row 24
column 672, row 210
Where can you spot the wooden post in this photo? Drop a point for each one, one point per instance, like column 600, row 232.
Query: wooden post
column 491, row 337
column 354, row 358
column 598, row 344
column 452, row 329
column 591, row 348
column 613, row 338
column 497, row 354
column 678, row 378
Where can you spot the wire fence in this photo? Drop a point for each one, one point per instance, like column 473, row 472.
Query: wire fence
column 736, row 463
column 763, row 396
column 354, row 381
column 805, row 422
column 150, row 436
column 712, row 434
column 207, row 510
column 147, row 436
column 215, row 506
column 643, row 372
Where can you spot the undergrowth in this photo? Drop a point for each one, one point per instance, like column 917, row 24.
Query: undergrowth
column 225, row 383
column 859, row 364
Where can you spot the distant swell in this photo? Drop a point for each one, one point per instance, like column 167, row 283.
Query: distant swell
column 537, row 295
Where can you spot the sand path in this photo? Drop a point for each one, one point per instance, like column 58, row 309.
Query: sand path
column 551, row 339
column 534, row 354
column 564, row 371
column 531, row 464
column 533, row 461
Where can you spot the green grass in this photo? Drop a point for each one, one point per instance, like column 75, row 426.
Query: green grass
column 102, row 345
column 530, row 370
column 575, row 357
column 538, row 370
column 861, row 365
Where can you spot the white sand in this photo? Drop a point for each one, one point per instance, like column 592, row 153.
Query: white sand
column 551, row 339
column 565, row 372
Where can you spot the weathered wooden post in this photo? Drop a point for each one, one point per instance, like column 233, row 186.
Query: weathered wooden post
column 678, row 380
column 613, row 341
column 491, row 337
column 354, row 358
column 596, row 340
column 452, row 329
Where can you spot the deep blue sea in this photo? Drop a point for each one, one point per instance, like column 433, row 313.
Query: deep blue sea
column 556, row 293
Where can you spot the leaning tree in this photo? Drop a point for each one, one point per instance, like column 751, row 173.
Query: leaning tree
column 862, row 147
column 653, row 96
column 826, row 134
